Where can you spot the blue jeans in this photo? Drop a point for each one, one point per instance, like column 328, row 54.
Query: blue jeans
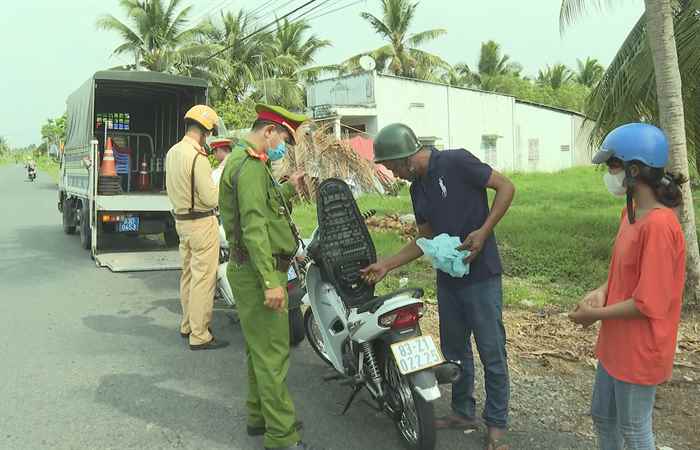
column 475, row 308
column 622, row 413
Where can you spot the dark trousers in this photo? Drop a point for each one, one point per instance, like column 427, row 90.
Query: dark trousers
column 476, row 308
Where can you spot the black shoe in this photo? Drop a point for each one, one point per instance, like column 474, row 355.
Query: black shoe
column 211, row 345
column 186, row 335
column 259, row 431
column 298, row 446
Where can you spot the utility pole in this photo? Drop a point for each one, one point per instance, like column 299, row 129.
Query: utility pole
column 264, row 74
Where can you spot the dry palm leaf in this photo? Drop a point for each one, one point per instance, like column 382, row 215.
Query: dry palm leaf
column 321, row 155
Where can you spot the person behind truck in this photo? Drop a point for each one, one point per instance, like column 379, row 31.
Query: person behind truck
column 221, row 148
column 194, row 197
column 448, row 191
column 639, row 305
column 255, row 214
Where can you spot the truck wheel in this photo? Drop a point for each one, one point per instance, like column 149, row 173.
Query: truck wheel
column 171, row 238
column 68, row 217
column 85, row 235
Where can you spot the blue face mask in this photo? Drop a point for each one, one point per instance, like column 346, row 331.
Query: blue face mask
column 278, row 152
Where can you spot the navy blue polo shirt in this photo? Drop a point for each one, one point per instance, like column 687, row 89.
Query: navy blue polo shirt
column 452, row 199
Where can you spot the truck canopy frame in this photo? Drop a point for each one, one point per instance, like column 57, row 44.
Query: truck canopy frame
column 116, row 83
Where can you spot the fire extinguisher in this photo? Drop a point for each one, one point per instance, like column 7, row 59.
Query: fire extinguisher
column 143, row 182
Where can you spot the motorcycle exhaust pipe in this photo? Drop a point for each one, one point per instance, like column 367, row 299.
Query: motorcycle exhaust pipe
column 448, row 372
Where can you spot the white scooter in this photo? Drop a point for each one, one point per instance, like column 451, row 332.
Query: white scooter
column 295, row 290
column 372, row 342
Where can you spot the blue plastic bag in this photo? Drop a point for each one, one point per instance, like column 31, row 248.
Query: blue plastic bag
column 443, row 254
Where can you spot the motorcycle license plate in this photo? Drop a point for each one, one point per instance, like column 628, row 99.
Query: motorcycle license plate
column 128, row 224
column 416, row 354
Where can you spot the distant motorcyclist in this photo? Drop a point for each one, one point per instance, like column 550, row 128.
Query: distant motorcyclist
column 31, row 169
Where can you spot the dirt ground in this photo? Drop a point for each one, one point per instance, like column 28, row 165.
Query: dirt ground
column 552, row 368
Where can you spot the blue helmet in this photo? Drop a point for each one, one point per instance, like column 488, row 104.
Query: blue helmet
column 635, row 142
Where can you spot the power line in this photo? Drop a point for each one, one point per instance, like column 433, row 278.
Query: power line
column 262, row 7
column 219, row 5
column 273, row 12
column 324, row 3
column 323, row 8
column 305, row 13
column 259, row 30
column 347, row 5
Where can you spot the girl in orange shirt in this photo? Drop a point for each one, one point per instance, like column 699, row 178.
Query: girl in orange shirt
column 640, row 304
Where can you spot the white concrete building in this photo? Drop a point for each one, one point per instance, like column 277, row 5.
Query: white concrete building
column 509, row 134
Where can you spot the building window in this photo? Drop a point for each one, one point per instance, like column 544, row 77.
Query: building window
column 565, row 148
column 533, row 149
column 340, row 93
column 489, row 148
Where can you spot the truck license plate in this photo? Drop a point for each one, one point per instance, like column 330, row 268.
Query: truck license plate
column 128, row 224
column 416, row 354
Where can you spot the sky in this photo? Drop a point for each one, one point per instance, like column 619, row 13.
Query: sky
column 49, row 48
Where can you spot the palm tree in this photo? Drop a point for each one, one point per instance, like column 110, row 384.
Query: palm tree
column 267, row 66
column 401, row 56
column 237, row 68
column 492, row 64
column 460, row 75
column 290, row 41
column 654, row 38
column 555, row 76
column 589, row 72
column 156, row 32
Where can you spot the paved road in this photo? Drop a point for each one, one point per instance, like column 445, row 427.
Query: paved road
column 91, row 359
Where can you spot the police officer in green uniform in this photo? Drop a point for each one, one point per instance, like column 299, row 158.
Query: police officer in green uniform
column 255, row 214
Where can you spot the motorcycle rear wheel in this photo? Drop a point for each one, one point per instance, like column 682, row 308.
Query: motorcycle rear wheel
column 415, row 419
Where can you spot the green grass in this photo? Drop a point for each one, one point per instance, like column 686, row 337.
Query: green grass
column 555, row 241
column 48, row 165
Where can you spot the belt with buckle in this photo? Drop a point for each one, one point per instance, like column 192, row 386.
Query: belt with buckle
column 282, row 262
column 194, row 215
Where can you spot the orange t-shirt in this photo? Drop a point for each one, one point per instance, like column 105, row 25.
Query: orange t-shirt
column 648, row 265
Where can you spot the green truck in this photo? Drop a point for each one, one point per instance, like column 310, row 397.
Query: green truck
column 126, row 224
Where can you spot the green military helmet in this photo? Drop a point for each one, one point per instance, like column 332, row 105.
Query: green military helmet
column 395, row 141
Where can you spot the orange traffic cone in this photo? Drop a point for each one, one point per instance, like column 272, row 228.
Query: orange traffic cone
column 143, row 181
column 107, row 168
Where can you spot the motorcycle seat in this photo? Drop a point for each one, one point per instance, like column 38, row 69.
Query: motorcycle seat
column 376, row 303
column 343, row 245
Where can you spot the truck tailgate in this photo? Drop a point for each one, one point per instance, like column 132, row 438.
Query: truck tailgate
column 133, row 202
column 140, row 261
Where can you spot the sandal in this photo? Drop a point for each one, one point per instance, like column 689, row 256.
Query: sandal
column 455, row 422
column 502, row 443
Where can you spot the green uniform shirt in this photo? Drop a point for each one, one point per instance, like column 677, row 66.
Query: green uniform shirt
column 265, row 230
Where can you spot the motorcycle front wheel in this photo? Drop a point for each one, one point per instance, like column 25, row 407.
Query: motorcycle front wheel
column 414, row 417
column 296, row 327
column 313, row 335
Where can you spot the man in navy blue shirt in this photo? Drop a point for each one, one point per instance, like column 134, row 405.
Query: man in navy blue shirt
column 448, row 191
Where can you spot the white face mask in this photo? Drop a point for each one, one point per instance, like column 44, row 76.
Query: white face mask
column 615, row 183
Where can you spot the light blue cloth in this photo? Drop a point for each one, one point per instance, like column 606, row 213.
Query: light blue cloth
column 443, row 254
